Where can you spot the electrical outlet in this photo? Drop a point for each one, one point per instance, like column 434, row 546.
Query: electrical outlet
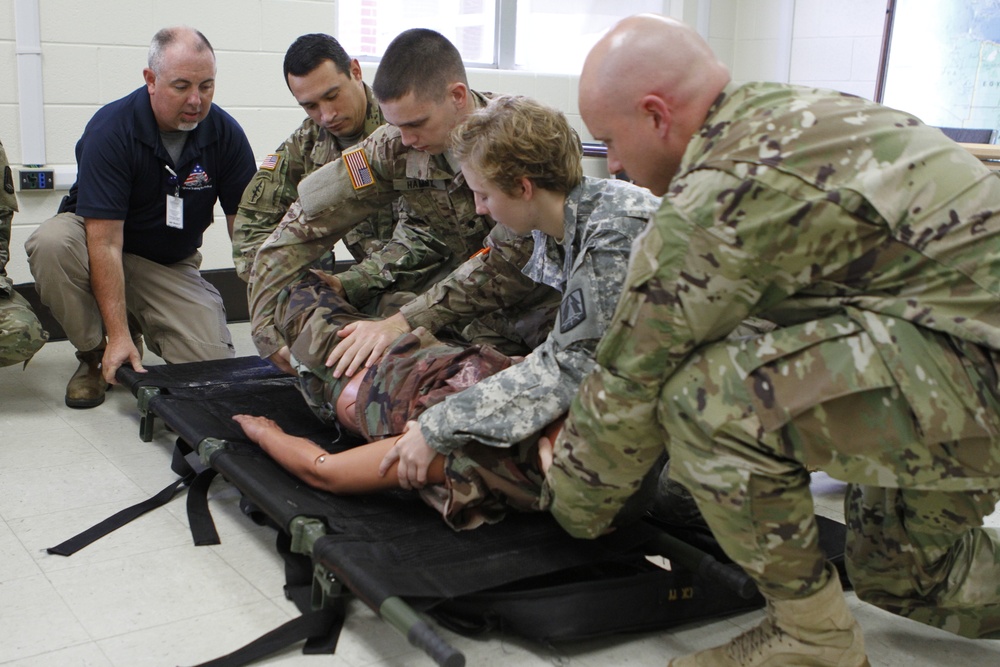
column 37, row 179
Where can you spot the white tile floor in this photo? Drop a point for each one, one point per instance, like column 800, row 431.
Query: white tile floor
column 146, row 596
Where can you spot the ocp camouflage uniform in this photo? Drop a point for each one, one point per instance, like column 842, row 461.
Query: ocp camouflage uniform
column 275, row 186
column 438, row 229
column 21, row 334
column 870, row 239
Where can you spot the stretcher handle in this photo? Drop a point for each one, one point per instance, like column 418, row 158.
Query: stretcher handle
column 694, row 559
column 401, row 616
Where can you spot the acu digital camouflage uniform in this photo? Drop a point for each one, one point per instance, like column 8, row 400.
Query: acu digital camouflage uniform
column 870, row 239
column 438, row 230
column 275, row 187
column 489, row 430
column 21, row 334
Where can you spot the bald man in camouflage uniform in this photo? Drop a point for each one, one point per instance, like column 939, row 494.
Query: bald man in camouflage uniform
column 21, row 334
column 438, row 227
column 870, row 239
column 342, row 111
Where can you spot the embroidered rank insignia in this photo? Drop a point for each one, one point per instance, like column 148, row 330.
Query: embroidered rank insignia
column 572, row 311
column 357, row 168
column 270, row 162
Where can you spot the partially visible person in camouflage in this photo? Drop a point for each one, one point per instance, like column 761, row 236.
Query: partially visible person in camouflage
column 423, row 91
column 870, row 240
column 478, row 445
column 341, row 110
column 21, row 334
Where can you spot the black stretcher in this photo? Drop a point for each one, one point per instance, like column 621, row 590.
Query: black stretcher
column 523, row 575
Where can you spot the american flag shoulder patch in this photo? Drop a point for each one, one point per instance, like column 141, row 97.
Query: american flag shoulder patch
column 357, row 168
column 270, row 162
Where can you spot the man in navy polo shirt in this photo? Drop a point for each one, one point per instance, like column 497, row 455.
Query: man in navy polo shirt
column 121, row 256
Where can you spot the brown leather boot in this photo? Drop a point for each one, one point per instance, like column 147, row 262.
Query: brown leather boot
column 87, row 386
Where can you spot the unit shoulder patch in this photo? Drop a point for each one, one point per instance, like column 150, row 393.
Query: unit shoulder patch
column 572, row 311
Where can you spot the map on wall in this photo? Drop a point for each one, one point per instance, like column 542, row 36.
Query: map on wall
column 944, row 62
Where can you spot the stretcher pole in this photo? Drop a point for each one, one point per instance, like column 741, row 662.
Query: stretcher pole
column 691, row 558
column 395, row 611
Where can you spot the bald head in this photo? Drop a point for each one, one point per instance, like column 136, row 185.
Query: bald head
column 662, row 77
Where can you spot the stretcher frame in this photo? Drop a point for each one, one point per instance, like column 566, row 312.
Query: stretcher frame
column 332, row 577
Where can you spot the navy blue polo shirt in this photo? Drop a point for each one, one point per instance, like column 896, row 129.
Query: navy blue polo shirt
column 122, row 175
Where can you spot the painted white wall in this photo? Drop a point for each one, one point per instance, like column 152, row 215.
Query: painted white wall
column 93, row 52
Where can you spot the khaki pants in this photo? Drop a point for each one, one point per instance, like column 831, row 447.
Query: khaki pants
column 181, row 315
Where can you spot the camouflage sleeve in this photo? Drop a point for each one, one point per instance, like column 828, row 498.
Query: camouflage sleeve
column 265, row 202
column 409, row 260
column 719, row 249
column 8, row 205
column 519, row 402
column 482, row 284
column 329, row 206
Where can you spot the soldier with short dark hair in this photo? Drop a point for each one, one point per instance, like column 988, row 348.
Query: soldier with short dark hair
column 342, row 111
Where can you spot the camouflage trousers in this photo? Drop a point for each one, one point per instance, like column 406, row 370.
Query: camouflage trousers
column 747, row 418
column 416, row 372
column 308, row 316
column 21, row 334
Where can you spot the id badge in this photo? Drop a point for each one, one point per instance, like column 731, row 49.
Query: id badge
column 175, row 212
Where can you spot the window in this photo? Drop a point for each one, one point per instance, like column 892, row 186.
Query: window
column 366, row 27
column 944, row 62
column 537, row 35
column 556, row 35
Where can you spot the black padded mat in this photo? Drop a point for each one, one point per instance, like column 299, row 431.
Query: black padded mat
column 216, row 373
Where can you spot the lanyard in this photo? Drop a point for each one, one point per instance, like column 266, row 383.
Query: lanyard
column 174, row 180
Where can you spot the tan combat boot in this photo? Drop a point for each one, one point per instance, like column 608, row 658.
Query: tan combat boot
column 87, row 386
column 817, row 630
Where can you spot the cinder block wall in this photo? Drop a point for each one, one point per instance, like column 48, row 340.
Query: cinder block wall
column 93, row 52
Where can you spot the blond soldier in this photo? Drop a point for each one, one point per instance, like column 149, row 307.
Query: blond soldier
column 869, row 238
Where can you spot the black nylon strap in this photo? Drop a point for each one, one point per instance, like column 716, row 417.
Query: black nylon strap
column 122, row 517
column 319, row 628
column 117, row 520
column 313, row 624
column 199, row 516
